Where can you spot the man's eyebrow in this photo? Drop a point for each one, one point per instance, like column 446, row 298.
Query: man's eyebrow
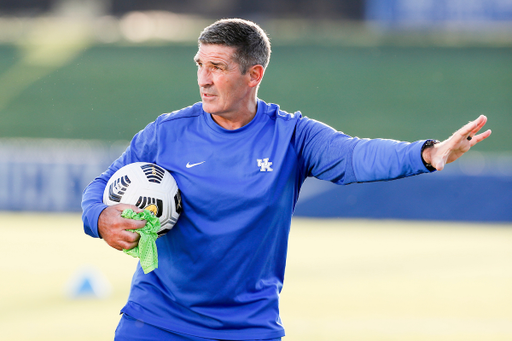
column 198, row 60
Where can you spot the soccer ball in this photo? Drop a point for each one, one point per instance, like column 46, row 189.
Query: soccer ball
column 149, row 187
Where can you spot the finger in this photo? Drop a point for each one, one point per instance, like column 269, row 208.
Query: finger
column 472, row 127
column 126, row 240
column 480, row 137
column 123, row 242
column 130, row 236
column 129, row 246
column 132, row 224
column 124, row 245
column 480, row 122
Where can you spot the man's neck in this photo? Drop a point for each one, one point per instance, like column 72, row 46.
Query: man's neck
column 238, row 119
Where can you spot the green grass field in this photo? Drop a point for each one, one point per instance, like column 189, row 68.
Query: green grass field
column 345, row 280
column 110, row 92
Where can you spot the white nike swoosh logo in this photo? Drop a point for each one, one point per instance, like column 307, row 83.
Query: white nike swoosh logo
column 189, row 165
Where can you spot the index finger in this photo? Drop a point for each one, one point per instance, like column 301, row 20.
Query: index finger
column 132, row 224
column 115, row 216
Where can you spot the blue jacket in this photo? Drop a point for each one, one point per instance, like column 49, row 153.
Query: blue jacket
column 221, row 268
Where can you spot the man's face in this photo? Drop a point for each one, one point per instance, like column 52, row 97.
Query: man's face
column 224, row 90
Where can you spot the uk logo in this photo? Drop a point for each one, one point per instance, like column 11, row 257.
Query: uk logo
column 264, row 165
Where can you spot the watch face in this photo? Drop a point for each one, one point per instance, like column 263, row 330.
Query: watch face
column 430, row 143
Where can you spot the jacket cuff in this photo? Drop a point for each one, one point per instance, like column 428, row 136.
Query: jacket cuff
column 91, row 220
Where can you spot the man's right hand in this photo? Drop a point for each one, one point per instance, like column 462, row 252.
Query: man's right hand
column 113, row 228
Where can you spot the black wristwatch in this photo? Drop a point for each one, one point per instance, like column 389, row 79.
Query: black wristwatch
column 428, row 144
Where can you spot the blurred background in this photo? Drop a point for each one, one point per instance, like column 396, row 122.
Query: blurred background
column 78, row 78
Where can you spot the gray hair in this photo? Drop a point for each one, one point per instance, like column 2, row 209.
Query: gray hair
column 250, row 41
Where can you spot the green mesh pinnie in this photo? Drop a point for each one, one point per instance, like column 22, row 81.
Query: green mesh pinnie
column 146, row 250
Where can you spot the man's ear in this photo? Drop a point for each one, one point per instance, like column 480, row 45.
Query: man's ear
column 255, row 75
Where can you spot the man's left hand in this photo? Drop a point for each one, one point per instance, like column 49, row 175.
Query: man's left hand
column 459, row 143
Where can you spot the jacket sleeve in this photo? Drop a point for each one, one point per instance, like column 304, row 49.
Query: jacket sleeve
column 382, row 160
column 331, row 155
column 142, row 148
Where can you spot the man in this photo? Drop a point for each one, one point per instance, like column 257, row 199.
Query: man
column 239, row 163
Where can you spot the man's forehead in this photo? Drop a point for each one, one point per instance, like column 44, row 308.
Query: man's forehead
column 207, row 52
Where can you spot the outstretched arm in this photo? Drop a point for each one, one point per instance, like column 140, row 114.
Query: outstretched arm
column 459, row 143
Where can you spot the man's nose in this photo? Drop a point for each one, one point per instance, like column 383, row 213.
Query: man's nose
column 203, row 77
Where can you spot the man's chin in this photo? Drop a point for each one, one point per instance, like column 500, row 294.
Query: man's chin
column 209, row 108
